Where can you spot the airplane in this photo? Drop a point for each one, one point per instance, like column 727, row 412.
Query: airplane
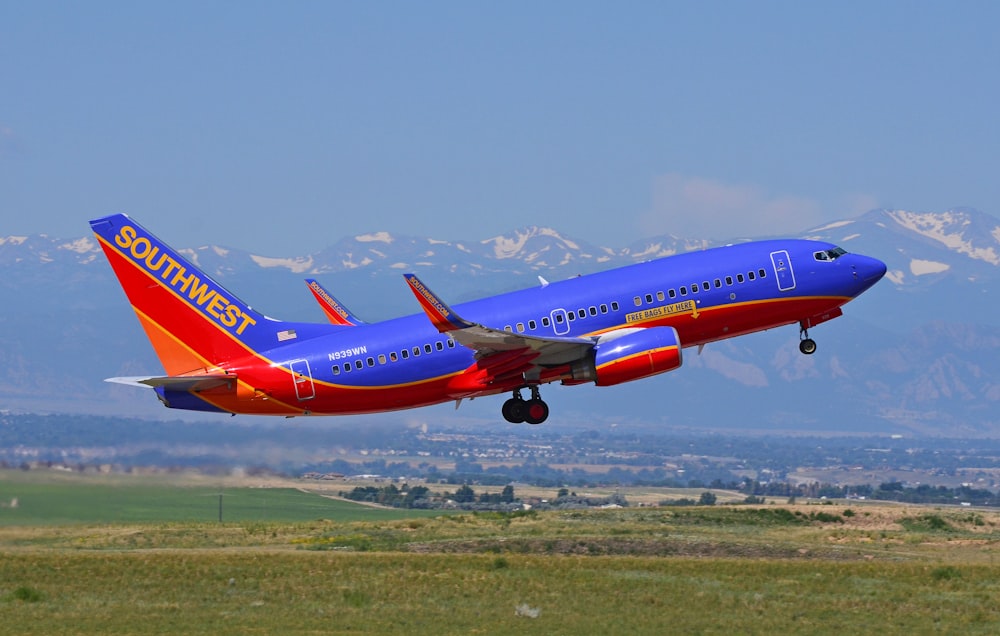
column 221, row 355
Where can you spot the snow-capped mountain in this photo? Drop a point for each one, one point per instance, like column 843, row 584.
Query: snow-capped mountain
column 914, row 245
column 920, row 352
column 963, row 241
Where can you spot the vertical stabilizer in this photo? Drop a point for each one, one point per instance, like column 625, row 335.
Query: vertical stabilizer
column 193, row 322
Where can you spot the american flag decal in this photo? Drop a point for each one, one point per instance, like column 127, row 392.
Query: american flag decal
column 288, row 334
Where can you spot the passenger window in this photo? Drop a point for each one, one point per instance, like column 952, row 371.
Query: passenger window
column 416, row 351
column 649, row 298
column 659, row 296
column 762, row 273
column 671, row 293
column 381, row 358
column 451, row 343
column 706, row 286
column 729, row 280
column 593, row 311
column 571, row 315
column 581, row 313
column 604, row 308
column 559, row 318
column 371, row 361
column 405, row 353
column 751, row 276
column 532, row 325
column 393, row 357
column 508, row 329
column 427, row 348
column 694, row 288
column 347, row 367
column 739, row 278
column 545, row 322
column 684, row 291
column 520, row 327
column 358, row 364
column 614, row 305
column 637, row 300
column 336, row 370
column 718, row 283
column 439, row 345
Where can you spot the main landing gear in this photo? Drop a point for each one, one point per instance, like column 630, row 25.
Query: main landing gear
column 806, row 344
column 533, row 411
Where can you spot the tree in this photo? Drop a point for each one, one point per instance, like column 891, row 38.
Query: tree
column 707, row 499
column 417, row 492
column 465, row 494
column 507, row 495
column 388, row 495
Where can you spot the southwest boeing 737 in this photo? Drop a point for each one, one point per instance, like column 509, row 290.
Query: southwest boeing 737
column 625, row 324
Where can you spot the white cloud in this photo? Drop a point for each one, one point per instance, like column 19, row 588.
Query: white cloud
column 858, row 204
column 707, row 208
column 9, row 144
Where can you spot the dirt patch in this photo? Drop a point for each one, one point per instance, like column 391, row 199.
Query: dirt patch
column 602, row 546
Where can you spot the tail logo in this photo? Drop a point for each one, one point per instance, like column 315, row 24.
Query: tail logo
column 148, row 255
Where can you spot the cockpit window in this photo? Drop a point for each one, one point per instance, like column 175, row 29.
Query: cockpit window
column 830, row 255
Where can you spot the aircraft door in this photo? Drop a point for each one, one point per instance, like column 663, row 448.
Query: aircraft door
column 303, row 380
column 783, row 270
column 560, row 322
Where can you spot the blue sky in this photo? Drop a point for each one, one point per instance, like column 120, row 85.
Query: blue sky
column 282, row 127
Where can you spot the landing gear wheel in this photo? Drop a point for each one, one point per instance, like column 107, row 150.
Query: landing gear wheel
column 537, row 411
column 533, row 411
column 514, row 410
column 807, row 346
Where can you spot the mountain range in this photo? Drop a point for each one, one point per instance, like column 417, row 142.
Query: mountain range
column 917, row 354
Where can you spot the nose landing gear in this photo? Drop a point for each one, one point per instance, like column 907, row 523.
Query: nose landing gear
column 806, row 344
column 533, row 411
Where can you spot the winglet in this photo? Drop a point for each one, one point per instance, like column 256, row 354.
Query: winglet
column 335, row 311
column 440, row 314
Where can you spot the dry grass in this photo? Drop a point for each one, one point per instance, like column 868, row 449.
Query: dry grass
column 264, row 592
column 722, row 569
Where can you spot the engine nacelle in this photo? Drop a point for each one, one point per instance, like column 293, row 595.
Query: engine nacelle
column 638, row 354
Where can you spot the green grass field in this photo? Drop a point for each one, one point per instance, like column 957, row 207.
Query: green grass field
column 58, row 499
column 805, row 569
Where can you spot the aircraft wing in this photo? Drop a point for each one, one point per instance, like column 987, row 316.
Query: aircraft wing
column 487, row 341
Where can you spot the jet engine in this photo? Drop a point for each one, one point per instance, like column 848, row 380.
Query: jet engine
column 630, row 354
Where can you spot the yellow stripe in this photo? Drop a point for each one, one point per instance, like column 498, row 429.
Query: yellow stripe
column 720, row 307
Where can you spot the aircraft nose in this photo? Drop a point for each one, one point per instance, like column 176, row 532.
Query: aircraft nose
column 872, row 269
column 868, row 271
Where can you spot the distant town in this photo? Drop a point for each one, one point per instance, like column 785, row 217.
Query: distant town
column 392, row 464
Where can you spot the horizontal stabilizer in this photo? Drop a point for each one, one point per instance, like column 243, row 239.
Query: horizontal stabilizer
column 178, row 383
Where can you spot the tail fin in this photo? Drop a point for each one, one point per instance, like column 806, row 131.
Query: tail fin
column 193, row 322
column 335, row 310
